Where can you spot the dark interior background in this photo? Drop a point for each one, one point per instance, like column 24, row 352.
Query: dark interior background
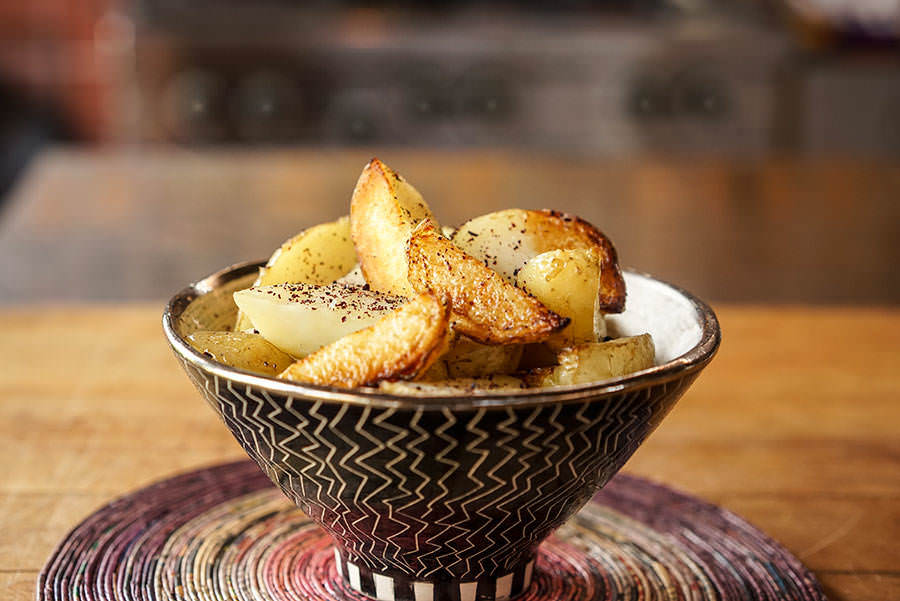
column 746, row 148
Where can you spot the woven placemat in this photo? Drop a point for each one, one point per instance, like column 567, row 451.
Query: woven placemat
column 225, row 533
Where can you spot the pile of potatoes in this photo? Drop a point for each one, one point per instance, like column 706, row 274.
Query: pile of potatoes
column 387, row 297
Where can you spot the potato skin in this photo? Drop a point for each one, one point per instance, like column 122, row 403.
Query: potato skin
column 485, row 307
column 401, row 345
column 469, row 359
column 578, row 233
column 506, row 240
column 453, row 386
column 567, row 282
column 593, row 362
column 383, row 211
column 318, row 255
column 246, row 351
column 301, row 318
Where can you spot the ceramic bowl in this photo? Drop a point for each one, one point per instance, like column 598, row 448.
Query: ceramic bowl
column 447, row 497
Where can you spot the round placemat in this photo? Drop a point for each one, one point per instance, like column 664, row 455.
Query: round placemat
column 225, row 533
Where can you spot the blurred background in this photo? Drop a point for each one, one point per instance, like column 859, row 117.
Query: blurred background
column 746, row 149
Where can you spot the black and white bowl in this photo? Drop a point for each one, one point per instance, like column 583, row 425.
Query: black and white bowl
column 445, row 497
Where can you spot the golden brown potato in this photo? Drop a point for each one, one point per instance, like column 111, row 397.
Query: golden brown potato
column 453, row 387
column 568, row 283
column 302, row 318
column 486, row 308
column 593, row 362
column 401, row 345
column 251, row 352
column 506, row 240
column 383, row 211
column 317, row 255
column 469, row 359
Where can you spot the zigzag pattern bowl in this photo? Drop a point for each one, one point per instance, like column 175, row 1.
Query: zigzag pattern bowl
column 445, row 498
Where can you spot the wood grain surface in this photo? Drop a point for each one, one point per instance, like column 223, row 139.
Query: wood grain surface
column 793, row 426
column 138, row 224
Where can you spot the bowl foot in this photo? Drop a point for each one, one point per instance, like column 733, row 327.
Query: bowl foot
column 399, row 587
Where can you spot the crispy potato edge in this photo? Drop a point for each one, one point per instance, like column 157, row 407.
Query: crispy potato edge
column 612, row 282
column 351, row 361
column 435, row 263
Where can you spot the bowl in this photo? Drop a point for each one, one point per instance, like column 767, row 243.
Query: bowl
column 434, row 498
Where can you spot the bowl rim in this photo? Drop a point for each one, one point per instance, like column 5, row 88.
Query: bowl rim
column 690, row 362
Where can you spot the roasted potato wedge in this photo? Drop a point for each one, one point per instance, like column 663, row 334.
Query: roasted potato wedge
column 567, row 282
column 251, row 352
column 469, row 359
column 384, row 210
column 402, row 344
column 506, row 240
column 317, row 255
column 597, row 361
column 301, row 318
column 453, row 386
column 485, row 307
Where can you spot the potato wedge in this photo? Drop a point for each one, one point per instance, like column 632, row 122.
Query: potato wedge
column 597, row 361
column 485, row 307
column 568, row 283
column 506, row 240
column 317, row 255
column 453, row 386
column 301, row 318
column 251, row 352
column 384, row 210
column 469, row 359
column 402, row 344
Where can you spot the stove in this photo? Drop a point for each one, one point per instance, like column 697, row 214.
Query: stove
column 627, row 78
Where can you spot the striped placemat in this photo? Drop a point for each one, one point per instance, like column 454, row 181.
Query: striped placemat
column 225, row 533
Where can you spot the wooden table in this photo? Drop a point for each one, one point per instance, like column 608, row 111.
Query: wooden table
column 134, row 225
column 794, row 426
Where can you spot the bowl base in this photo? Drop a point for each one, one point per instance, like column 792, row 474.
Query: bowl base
column 398, row 587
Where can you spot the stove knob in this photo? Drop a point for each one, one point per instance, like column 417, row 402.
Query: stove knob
column 192, row 106
column 650, row 98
